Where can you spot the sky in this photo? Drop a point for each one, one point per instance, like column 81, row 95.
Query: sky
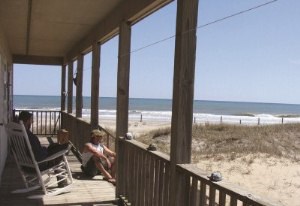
column 251, row 57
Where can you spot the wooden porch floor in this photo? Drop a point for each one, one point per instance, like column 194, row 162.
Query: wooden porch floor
column 84, row 191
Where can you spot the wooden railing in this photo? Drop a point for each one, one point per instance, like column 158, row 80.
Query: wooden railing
column 146, row 175
column 109, row 139
column 80, row 131
column 44, row 122
column 47, row 123
column 147, row 182
column 202, row 191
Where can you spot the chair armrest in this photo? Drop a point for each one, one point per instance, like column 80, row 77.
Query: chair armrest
column 58, row 154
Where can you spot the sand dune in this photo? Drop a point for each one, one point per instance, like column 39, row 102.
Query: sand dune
column 273, row 179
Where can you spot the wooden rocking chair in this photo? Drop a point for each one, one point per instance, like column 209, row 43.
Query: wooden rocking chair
column 28, row 167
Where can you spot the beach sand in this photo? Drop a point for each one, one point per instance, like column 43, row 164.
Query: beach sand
column 274, row 179
column 137, row 128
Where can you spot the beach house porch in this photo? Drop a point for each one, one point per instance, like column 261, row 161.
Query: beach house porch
column 61, row 32
column 84, row 191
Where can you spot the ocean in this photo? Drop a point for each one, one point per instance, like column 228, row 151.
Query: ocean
column 161, row 109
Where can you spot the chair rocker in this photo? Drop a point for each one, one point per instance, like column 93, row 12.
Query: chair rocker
column 28, row 167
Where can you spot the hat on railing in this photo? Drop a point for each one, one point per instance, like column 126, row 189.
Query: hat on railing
column 215, row 176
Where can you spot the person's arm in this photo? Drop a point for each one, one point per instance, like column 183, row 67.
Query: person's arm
column 89, row 148
column 108, row 151
column 39, row 152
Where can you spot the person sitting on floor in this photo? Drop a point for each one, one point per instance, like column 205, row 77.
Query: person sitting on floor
column 96, row 158
column 40, row 152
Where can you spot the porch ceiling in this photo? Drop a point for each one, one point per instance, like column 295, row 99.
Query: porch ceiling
column 49, row 31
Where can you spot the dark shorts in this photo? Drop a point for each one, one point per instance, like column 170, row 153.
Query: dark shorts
column 90, row 169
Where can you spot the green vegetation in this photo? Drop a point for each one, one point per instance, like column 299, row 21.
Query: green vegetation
column 233, row 141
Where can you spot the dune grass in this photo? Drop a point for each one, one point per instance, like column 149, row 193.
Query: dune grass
column 233, row 141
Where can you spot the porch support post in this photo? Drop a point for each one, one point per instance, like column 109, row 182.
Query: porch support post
column 63, row 88
column 70, row 87
column 183, row 96
column 79, row 86
column 122, row 99
column 95, row 85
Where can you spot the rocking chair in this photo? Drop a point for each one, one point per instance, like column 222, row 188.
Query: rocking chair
column 33, row 177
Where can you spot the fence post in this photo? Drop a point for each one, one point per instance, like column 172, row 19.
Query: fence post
column 282, row 120
column 258, row 121
column 240, row 121
column 194, row 120
column 141, row 117
column 221, row 120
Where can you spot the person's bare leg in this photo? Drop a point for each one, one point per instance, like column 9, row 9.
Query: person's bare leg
column 113, row 168
column 103, row 171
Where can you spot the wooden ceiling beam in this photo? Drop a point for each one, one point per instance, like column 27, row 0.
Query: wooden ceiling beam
column 39, row 60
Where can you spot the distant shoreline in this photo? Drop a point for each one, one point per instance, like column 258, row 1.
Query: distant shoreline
column 160, row 110
column 167, row 99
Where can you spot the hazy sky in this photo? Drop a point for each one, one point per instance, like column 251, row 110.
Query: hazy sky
column 254, row 56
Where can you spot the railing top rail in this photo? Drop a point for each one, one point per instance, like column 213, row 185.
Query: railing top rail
column 107, row 132
column 36, row 110
column 143, row 147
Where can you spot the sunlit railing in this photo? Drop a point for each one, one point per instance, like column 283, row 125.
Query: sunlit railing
column 147, row 182
column 146, row 175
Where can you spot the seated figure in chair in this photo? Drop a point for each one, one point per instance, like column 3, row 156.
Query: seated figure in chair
column 39, row 151
column 96, row 158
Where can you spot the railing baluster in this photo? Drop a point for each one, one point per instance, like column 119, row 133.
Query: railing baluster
column 233, row 201
column 167, row 185
column 212, row 195
column 194, row 192
column 46, row 125
column 161, row 183
column 127, row 172
column 36, row 114
column 44, row 122
column 222, row 198
column 203, row 193
column 157, row 183
column 151, row 179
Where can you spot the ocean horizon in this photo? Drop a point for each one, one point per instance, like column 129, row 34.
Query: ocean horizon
column 161, row 109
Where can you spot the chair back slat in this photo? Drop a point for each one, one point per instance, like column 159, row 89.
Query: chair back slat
column 20, row 145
